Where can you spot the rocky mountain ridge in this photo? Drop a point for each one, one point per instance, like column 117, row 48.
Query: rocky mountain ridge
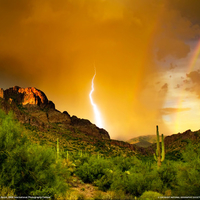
column 33, row 109
column 175, row 142
column 31, row 106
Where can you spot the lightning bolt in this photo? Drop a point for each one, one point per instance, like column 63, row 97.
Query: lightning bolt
column 95, row 109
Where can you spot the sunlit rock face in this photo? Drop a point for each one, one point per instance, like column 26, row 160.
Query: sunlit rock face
column 28, row 96
column 33, row 103
column 33, row 96
column 1, row 93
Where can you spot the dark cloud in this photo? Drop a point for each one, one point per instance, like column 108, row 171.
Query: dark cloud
column 172, row 66
column 170, row 46
column 164, row 87
column 12, row 69
column 53, row 45
column 174, row 37
column 188, row 9
column 195, row 78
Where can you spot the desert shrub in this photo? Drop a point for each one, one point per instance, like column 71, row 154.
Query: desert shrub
column 11, row 132
column 168, row 175
column 6, row 191
column 191, row 153
column 154, row 183
column 84, row 173
column 122, row 196
column 28, row 168
column 84, row 158
column 162, row 179
column 174, row 155
column 105, row 181
column 79, row 158
column 81, row 197
column 188, row 182
column 112, row 195
column 143, row 176
column 94, row 169
column 133, row 184
column 140, row 177
column 124, row 164
column 119, row 180
column 12, row 136
column 136, row 184
column 98, row 195
column 189, row 172
column 34, row 171
column 149, row 195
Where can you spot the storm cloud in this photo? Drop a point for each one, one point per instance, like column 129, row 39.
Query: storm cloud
column 53, row 45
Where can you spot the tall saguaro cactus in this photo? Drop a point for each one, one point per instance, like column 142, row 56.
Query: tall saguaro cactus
column 157, row 156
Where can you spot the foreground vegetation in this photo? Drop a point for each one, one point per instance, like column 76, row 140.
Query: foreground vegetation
column 31, row 169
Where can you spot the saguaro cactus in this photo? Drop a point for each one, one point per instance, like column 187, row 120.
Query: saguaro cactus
column 157, row 156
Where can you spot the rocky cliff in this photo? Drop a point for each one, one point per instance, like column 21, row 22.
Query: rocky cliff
column 31, row 106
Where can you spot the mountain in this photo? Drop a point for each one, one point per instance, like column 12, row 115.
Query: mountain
column 31, row 106
column 143, row 141
column 175, row 144
column 37, row 113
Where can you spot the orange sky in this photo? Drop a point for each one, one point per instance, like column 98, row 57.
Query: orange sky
column 142, row 51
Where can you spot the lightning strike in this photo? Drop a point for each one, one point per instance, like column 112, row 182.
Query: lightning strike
column 95, row 109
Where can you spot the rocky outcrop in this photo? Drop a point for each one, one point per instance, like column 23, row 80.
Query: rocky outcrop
column 31, row 106
column 55, row 116
column 175, row 141
column 1, row 93
column 28, row 96
column 87, row 127
column 125, row 144
column 181, row 136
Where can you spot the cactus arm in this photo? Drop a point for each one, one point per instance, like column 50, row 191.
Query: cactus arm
column 158, row 148
column 155, row 157
column 158, row 143
column 163, row 149
column 156, row 152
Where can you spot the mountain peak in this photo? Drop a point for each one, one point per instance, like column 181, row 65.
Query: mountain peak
column 26, row 96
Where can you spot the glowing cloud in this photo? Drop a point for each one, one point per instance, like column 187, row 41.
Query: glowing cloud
column 96, row 111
